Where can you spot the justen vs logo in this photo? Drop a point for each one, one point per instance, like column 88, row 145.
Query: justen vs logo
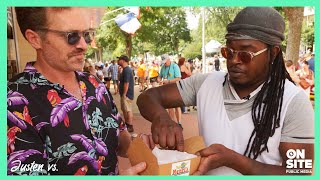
column 297, row 163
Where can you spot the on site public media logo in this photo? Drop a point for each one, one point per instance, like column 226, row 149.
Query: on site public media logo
column 297, row 162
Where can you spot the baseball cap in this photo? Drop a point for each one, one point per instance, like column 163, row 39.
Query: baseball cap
column 99, row 64
column 123, row 57
column 164, row 58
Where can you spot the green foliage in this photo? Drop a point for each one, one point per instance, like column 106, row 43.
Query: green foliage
column 217, row 19
column 109, row 37
column 284, row 42
column 90, row 52
column 308, row 35
column 162, row 30
column 193, row 49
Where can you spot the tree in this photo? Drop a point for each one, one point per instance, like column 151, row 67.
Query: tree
column 308, row 36
column 193, row 49
column 111, row 38
column 162, row 30
column 308, row 31
column 295, row 17
column 217, row 19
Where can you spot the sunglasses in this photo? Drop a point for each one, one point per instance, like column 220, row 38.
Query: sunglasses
column 73, row 37
column 244, row 56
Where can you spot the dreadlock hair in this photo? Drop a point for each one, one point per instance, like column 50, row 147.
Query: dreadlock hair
column 267, row 106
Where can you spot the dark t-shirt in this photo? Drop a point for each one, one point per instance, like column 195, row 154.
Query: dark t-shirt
column 311, row 64
column 127, row 77
column 216, row 62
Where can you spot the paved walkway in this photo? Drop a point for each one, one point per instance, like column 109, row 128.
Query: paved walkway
column 141, row 125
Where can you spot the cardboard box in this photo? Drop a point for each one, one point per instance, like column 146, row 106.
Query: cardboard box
column 138, row 152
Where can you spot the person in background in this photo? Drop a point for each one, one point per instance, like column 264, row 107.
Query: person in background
column 133, row 66
column 120, row 69
column 106, row 75
column 170, row 73
column 89, row 67
column 302, row 58
column 153, row 73
column 99, row 68
column 252, row 116
column 57, row 115
column 191, row 65
column 141, row 73
column 311, row 67
column 126, row 90
column 311, row 62
column 185, row 72
column 216, row 62
column 114, row 75
column 306, row 77
column 291, row 69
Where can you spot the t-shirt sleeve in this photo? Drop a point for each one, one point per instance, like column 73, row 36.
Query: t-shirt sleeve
column 177, row 72
column 99, row 73
column 126, row 75
column 298, row 124
column 161, row 72
column 189, row 87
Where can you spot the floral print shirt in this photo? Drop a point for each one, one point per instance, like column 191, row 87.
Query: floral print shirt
column 49, row 131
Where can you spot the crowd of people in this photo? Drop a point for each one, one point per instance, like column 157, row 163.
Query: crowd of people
column 148, row 74
column 302, row 73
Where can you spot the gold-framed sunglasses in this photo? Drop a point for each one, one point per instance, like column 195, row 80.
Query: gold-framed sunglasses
column 244, row 56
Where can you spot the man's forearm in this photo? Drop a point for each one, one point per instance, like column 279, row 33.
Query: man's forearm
column 174, row 80
column 150, row 106
column 152, row 103
column 248, row 166
column 125, row 89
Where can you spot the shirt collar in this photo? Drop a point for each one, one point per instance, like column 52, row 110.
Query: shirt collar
column 32, row 73
column 235, row 94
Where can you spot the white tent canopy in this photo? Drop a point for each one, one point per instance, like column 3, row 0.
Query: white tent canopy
column 213, row 46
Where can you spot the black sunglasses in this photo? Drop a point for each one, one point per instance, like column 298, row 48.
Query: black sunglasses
column 244, row 56
column 73, row 37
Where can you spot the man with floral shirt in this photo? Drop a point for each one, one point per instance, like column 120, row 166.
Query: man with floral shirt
column 60, row 120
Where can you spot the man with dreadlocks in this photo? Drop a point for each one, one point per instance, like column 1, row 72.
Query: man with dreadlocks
column 249, row 117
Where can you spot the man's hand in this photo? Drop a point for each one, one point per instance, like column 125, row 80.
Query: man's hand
column 147, row 139
column 152, row 106
column 213, row 157
column 166, row 81
column 168, row 134
column 134, row 170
